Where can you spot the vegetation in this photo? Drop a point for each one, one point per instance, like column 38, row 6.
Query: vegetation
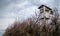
column 30, row 28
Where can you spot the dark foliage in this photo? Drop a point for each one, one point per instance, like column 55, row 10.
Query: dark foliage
column 30, row 28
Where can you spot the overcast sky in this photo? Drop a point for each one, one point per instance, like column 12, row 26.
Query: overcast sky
column 10, row 9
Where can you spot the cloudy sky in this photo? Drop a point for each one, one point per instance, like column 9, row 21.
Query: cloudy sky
column 10, row 9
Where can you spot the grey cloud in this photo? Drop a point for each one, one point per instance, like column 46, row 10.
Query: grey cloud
column 35, row 2
column 4, row 3
column 14, row 6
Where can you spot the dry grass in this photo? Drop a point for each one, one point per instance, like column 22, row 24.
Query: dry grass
column 30, row 28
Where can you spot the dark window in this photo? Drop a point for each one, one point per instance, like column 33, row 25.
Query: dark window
column 51, row 12
column 47, row 18
column 42, row 18
column 47, row 10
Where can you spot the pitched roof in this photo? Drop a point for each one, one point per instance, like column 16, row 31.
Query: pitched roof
column 43, row 6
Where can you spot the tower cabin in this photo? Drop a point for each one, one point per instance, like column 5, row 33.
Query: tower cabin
column 44, row 8
column 46, row 14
